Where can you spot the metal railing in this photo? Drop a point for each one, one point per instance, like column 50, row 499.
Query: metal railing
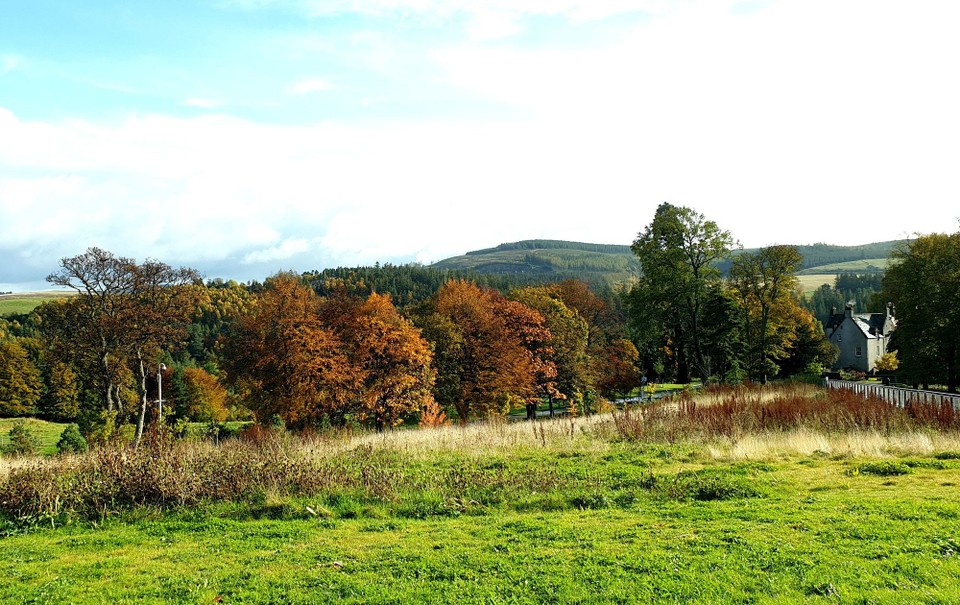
column 898, row 396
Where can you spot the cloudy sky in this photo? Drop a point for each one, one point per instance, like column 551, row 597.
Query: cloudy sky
column 241, row 137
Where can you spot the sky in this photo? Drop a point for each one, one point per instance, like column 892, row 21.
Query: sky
column 245, row 137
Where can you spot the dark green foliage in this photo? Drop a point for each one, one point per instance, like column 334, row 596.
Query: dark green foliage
column 705, row 486
column 71, row 441
column 21, row 440
column 677, row 253
column 859, row 288
column 881, row 468
column 816, row 255
column 924, row 284
column 541, row 261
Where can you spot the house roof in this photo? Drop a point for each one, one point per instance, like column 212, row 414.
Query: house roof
column 872, row 325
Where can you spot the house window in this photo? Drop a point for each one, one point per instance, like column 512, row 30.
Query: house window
column 859, row 351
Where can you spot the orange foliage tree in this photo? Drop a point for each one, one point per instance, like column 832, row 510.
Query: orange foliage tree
column 393, row 360
column 205, row 399
column 491, row 353
column 285, row 361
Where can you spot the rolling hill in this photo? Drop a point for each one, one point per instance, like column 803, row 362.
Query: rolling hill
column 550, row 260
column 612, row 264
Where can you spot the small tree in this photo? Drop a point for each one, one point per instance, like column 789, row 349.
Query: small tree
column 888, row 362
column 22, row 440
column 71, row 441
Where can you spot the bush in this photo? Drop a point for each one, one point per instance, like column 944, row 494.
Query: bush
column 22, row 440
column 881, row 468
column 71, row 441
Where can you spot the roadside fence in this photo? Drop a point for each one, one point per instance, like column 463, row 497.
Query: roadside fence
column 898, row 396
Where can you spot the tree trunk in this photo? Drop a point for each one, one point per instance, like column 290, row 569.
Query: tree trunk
column 107, row 383
column 142, row 416
column 550, row 399
column 531, row 411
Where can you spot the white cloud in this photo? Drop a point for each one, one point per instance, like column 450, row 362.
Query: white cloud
column 288, row 248
column 202, row 103
column 780, row 124
column 310, row 85
column 489, row 25
column 8, row 63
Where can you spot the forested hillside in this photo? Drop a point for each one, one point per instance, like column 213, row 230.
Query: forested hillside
column 613, row 264
column 550, row 260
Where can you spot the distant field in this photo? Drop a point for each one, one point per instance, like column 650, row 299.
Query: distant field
column 47, row 432
column 13, row 304
column 866, row 265
column 809, row 283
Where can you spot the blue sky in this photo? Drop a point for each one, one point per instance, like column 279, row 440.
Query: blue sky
column 242, row 137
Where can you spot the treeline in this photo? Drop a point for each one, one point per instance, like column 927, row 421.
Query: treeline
column 319, row 349
column 385, row 345
column 551, row 244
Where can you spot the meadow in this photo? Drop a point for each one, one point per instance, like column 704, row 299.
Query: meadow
column 21, row 303
column 772, row 495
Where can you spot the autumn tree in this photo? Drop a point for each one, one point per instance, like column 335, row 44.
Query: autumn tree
column 199, row 395
column 677, row 253
column 616, row 369
column 762, row 281
column 481, row 346
column 20, row 383
column 391, row 357
column 569, row 336
column 123, row 316
column 285, row 361
column 161, row 301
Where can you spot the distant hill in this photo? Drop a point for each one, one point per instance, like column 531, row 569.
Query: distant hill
column 827, row 258
column 549, row 260
column 610, row 264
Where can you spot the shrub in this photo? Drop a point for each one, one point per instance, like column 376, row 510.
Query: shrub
column 881, row 468
column 71, row 441
column 22, row 440
column 689, row 485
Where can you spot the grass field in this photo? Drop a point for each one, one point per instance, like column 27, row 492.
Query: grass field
column 563, row 511
column 809, row 283
column 47, row 432
column 866, row 265
column 11, row 304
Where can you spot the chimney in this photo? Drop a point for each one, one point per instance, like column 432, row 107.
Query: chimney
column 833, row 310
column 848, row 310
column 891, row 311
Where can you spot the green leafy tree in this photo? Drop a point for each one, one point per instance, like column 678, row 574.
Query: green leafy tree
column 22, row 440
column 677, row 252
column 923, row 281
column 71, row 441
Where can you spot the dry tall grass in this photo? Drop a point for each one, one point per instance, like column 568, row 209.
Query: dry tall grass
column 745, row 423
column 491, row 438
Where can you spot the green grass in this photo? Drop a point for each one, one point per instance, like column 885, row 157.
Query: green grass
column 812, row 532
column 47, row 432
column 866, row 265
column 17, row 304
